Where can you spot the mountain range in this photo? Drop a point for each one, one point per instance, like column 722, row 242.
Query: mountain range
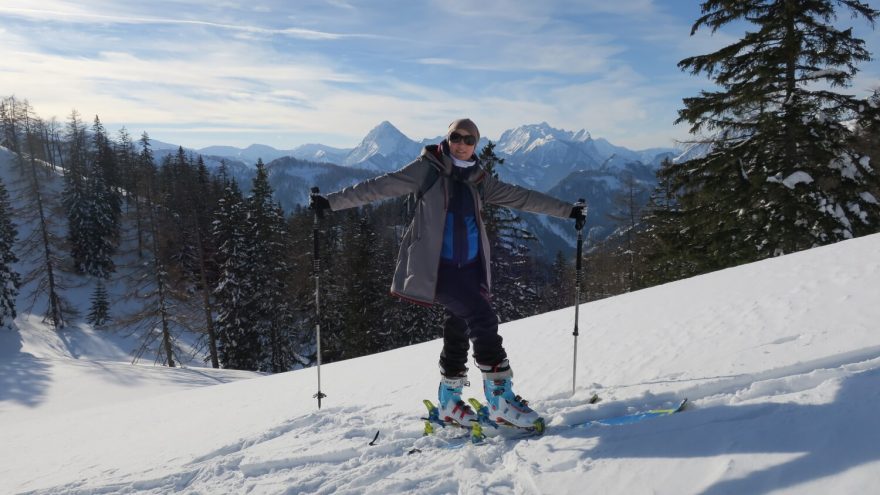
column 567, row 164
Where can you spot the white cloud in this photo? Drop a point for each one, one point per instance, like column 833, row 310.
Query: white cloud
column 334, row 68
column 79, row 15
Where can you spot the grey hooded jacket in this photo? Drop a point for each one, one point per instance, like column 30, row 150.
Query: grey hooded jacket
column 415, row 277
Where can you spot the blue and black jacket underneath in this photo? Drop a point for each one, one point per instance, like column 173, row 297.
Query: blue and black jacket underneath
column 461, row 235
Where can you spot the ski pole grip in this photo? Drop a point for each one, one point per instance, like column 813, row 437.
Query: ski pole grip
column 316, row 258
column 580, row 239
column 319, row 213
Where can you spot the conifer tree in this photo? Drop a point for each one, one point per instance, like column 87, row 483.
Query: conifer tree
column 782, row 175
column 126, row 160
column 559, row 290
column 9, row 278
column 669, row 254
column 101, row 226
column 75, row 196
column 105, row 158
column 99, row 311
column 363, row 274
column 269, row 306
column 92, row 205
column 238, row 344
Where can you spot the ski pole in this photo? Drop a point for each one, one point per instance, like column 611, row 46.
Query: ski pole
column 316, row 260
column 577, row 297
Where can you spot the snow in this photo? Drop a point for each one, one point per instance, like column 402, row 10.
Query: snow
column 868, row 197
column 799, row 177
column 846, row 166
column 780, row 360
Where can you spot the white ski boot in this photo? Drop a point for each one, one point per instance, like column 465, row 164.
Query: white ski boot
column 505, row 407
column 452, row 408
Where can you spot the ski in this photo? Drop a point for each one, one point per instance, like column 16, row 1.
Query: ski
column 633, row 418
column 477, row 431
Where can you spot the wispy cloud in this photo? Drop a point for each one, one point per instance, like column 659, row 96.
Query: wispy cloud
column 266, row 71
column 76, row 15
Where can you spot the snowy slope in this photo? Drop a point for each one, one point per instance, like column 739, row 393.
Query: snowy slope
column 780, row 359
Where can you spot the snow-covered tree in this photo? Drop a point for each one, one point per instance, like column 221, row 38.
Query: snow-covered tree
column 91, row 203
column 75, row 196
column 782, row 175
column 238, row 342
column 269, row 301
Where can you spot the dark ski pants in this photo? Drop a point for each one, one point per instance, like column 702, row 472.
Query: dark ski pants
column 469, row 315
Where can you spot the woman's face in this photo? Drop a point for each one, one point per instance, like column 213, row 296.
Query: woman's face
column 458, row 146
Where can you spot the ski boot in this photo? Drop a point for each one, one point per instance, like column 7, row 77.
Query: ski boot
column 505, row 407
column 452, row 409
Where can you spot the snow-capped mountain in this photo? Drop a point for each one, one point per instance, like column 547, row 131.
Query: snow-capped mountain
column 384, row 149
column 527, row 138
column 692, row 151
column 248, row 155
column 536, row 155
column 320, row 153
column 539, row 156
column 571, row 164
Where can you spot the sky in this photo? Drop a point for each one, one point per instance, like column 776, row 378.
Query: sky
column 281, row 73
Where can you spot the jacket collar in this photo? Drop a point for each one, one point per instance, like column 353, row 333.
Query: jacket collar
column 435, row 153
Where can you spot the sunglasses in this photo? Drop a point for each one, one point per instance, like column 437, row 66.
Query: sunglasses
column 457, row 138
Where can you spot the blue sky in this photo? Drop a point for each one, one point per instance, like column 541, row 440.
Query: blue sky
column 285, row 73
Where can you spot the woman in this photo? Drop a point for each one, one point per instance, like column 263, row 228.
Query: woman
column 444, row 258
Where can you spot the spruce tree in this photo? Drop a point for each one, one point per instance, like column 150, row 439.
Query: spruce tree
column 269, row 305
column 101, row 226
column 99, row 311
column 92, row 205
column 668, row 256
column 559, row 291
column 75, row 196
column 9, row 278
column 782, row 175
column 141, row 178
column 238, row 342
column 126, row 160
column 363, row 271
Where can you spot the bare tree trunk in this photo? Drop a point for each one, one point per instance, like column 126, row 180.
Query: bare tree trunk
column 160, row 287
column 206, row 301
column 55, row 311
